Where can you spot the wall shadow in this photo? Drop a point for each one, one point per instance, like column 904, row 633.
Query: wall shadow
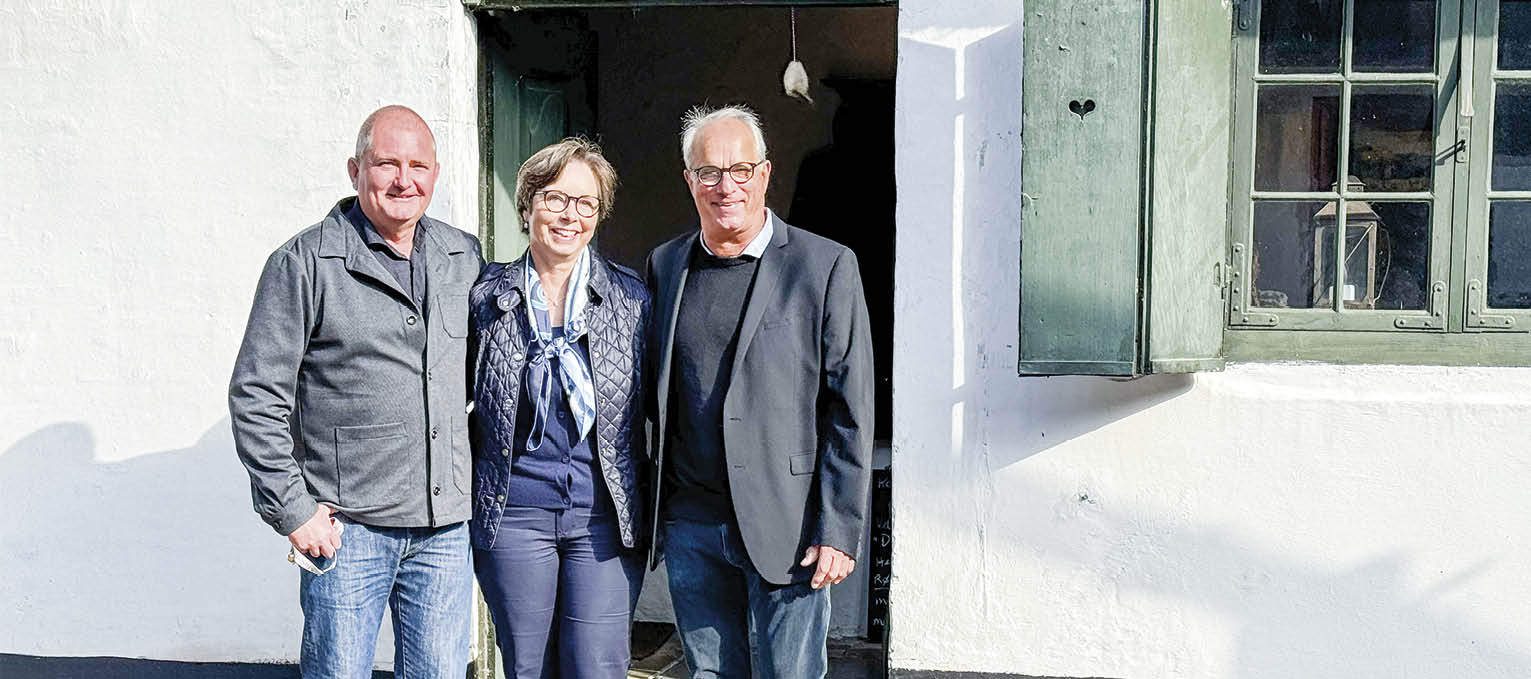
column 164, row 540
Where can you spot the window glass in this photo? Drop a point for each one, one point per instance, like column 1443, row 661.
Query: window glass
column 1512, row 137
column 1283, row 267
column 1515, row 35
column 1509, row 254
column 1300, row 36
column 1401, row 269
column 1296, row 137
column 1392, row 136
column 1394, row 36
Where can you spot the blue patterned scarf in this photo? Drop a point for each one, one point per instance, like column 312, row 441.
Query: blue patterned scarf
column 578, row 388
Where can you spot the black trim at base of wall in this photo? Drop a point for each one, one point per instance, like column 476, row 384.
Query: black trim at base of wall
column 40, row 667
column 895, row 673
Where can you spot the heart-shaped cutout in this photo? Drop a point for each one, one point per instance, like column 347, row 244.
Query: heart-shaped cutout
column 1082, row 109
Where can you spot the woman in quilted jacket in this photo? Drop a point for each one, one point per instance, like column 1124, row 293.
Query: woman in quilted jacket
column 557, row 419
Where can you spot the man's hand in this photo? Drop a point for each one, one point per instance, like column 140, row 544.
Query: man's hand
column 834, row 564
column 317, row 536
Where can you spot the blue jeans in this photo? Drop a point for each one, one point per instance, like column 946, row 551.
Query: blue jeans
column 423, row 573
column 722, row 604
column 561, row 588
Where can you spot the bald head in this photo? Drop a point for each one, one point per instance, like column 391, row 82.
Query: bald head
column 394, row 171
column 394, row 115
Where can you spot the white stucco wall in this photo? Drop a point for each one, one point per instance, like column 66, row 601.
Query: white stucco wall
column 1272, row 520
column 154, row 154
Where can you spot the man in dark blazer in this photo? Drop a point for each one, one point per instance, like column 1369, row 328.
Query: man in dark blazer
column 348, row 401
column 763, row 417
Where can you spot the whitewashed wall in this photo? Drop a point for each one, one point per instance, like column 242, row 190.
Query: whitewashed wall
column 153, row 154
column 1278, row 520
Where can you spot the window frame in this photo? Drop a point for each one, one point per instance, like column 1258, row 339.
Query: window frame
column 1248, row 81
column 1467, row 332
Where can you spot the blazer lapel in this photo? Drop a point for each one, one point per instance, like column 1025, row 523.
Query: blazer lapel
column 763, row 295
column 673, row 269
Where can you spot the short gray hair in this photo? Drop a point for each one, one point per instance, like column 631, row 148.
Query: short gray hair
column 364, row 135
column 701, row 116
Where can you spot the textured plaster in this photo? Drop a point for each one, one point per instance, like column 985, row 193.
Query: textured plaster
column 155, row 153
column 1272, row 520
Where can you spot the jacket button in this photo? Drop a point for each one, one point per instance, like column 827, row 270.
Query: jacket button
column 434, row 432
column 410, row 320
column 504, row 452
column 500, row 499
column 516, row 356
column 436, row 490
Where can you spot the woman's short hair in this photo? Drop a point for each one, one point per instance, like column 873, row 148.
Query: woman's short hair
column 545, row 165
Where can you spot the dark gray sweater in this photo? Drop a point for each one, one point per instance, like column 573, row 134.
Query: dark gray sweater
column 706, row 333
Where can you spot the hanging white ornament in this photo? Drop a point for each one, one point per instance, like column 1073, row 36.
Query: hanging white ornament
column 794, row 81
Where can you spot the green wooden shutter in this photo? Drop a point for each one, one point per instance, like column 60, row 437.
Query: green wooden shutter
column 1188, row 214
column 1082, row 181
column 1124, row 235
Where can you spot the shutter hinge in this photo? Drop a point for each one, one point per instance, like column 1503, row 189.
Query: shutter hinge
column 1241, row 12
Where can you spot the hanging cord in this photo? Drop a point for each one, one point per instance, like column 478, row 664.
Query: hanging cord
column 793, row 18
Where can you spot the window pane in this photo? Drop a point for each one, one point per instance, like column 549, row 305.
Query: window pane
column 1512, row 144
column 1514, row 35
column 1394, row 36
column 1296, row 137
column 1283, row 266
column 1509, row 254
column 1392, row 137
column 1300, row 36
column 1401, row 266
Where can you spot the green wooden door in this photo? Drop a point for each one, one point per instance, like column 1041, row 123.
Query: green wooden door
column 539, row 67
column 529, row 113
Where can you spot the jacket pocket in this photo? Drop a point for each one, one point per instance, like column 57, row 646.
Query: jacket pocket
column 453, row 312
column 462, row 455
column 803, row 463
column 372, row 465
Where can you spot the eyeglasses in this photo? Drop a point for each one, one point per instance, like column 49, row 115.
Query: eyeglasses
column 558, row 201
column 709, row 175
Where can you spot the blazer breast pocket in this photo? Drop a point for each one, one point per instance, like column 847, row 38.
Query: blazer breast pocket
column 802, row 463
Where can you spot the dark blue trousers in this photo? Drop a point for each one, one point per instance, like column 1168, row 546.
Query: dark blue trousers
column 561, row 588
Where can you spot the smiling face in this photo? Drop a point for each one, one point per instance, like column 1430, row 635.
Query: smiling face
column 558, row 237
column 729, row 211
column 395, row 175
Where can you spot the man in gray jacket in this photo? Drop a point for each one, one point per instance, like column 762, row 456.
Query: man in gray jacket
column 348, row 407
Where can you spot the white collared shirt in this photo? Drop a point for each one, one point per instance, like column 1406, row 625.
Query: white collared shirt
column 757, row 247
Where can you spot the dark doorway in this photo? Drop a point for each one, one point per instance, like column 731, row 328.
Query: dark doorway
column 625, row 76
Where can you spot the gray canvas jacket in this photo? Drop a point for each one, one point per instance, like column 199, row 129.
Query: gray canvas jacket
column 344, row 393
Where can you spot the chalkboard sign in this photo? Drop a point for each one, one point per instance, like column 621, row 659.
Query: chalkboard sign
column 881, row 554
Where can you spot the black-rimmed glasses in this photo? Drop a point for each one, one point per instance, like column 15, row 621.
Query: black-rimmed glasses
column 710, row 175
column 558, row 201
